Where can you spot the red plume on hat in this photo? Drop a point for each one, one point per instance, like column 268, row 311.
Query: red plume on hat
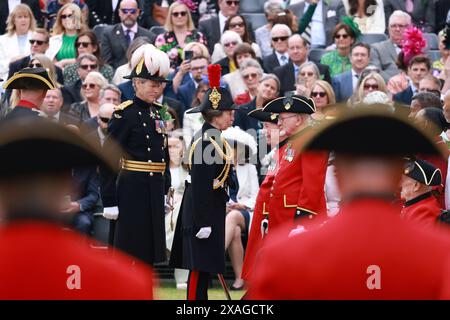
column 413, row 44
column 214, row 73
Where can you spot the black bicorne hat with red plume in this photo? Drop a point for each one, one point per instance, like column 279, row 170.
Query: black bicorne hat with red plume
column 217, row 97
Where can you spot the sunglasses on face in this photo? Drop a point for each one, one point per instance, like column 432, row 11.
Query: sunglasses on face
column 65, row 16
column 231, row 3
column 88, row 66
column 250, row 75
column 306, row 74
column 82, row 44
column 179, row 14
column 104, row 120
column 368, row 86
column 343, row 36
column 89, row 85
column 38, row 42
column 238, row 24
column 277, row 39
column 229, row 44
column 35, row 65
column 320, row 94
column 127, row 11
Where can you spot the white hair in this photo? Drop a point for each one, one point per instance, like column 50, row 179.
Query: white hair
column 400, row 14
column 273, row 6
column 230, row 36
column 251, row 63
column 281, row 27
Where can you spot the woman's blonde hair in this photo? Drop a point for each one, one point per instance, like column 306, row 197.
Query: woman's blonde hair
column 191, row 45
column 58, row 28
column 98, row 79
column 19, row 9
column 378, row 78
column 168, row 26
column 328, row 89
column 46, row 64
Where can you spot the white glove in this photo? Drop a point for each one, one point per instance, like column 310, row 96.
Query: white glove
column 203, row 233
column 296, row 231
column 111, row 213
column 264, row 227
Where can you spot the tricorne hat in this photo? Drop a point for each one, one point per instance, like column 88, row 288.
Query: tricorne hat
column 30, row 78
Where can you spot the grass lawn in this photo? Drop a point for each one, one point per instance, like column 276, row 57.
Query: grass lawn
column 168, row 291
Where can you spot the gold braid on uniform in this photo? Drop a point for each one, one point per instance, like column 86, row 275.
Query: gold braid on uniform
column 227, row 156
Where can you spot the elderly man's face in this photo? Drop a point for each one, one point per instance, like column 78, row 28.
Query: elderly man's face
column 229, row 7
column 128, row 13
column 396, row 28
column 280, row 40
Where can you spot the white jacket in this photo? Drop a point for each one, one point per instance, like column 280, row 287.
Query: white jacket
column 248, row 185
column 9, row 48
column 55, row 45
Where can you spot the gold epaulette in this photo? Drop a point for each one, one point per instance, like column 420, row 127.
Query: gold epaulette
column 123, row 105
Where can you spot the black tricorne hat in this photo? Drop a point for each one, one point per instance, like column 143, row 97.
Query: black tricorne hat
column 423, row 172
column 54, row 148
column 216, row 98
column 371, row 130
column 263, row 116
column 291, row 103
column 30, row 78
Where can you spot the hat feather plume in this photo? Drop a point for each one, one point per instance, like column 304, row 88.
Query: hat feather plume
column 214, row 72
column 156, row 61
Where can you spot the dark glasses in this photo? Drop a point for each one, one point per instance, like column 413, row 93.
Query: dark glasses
column 320, row 94
column 276, row 39
column 127, row 11
column 249, row 75
column 234, row 25
column 104, row 120
column 371, row 86
column 65, row 16
column 88, row 66
column 179, row 14
column 232, row 43
column 35, row 65
column 230, row 3
column 38, row 42
column 343, row 36
column 89, row 85
column 82, row 44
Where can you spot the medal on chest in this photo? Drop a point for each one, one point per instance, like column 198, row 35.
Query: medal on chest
column 289, row 153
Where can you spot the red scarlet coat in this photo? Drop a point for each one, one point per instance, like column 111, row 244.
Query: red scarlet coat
column 34, row 261
column 424, row 209
column 334, row 261
column 299, row 183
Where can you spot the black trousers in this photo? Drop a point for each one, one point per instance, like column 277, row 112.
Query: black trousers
column 198, row 282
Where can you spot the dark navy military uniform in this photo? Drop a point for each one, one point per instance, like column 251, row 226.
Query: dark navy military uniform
column 143, row 181
column 24, row 109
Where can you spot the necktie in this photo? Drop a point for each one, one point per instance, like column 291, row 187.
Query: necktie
column 127, row 36
column 295, row 72
column 409, row 6
column 283, row 60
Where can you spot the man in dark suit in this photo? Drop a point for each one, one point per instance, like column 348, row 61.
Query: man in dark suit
column 418, row 68
column 186, row 91
column 344, row 84
column 106, row 11
column 117, row 38
column 298, row 54
column 5, row 10
column 51, row 107
column 72, row 92
column 213, row 27
column 279, row 35
column 325, row 18
column 422, row 12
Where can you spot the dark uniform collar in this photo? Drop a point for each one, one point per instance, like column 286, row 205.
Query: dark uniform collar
column 423, row 196
column 141, row 103
column 210, row 131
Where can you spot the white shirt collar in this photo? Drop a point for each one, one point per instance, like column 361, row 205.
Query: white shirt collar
column 134, row 28
column 101, row 135
column 160, row 99
column 222, row 20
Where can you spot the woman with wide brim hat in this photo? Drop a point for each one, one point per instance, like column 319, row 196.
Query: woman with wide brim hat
column 199, row 242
